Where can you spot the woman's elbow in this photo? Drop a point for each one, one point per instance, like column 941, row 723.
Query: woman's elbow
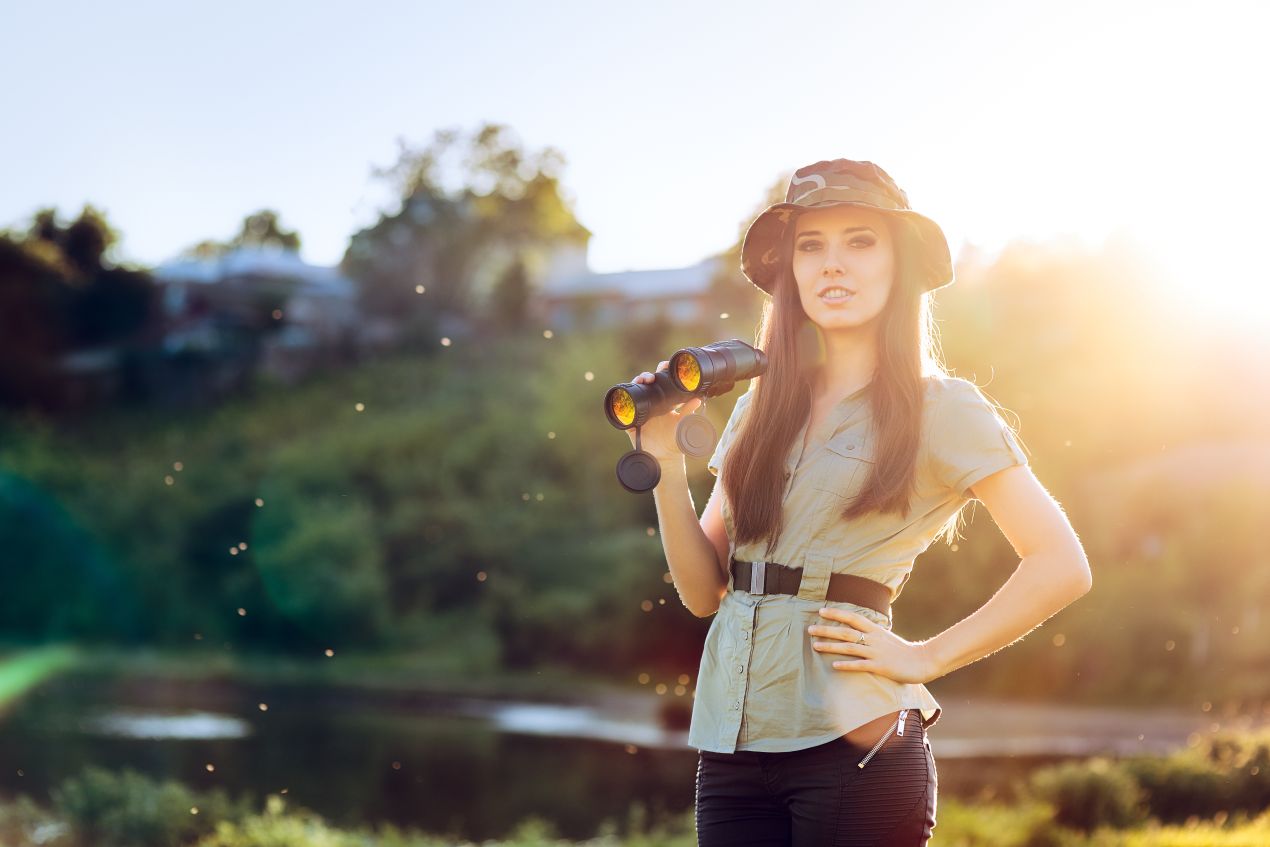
column 1082, row 578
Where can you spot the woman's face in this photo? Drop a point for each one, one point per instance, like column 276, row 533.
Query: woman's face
column 844, row 264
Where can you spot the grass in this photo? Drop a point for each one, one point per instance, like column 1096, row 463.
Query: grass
column 23, row 670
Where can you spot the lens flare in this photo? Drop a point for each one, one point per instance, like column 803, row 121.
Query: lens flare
column 622, row 406
column 688, row 371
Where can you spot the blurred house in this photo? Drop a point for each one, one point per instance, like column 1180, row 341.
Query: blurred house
column 570, row 295
column 293, row 316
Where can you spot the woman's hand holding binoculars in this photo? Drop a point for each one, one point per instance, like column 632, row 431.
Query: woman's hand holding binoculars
column 658, row 433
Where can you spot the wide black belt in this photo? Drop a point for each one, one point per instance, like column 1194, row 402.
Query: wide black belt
column 773, row 578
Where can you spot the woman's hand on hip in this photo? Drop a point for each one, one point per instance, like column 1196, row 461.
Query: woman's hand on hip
column 883, row 652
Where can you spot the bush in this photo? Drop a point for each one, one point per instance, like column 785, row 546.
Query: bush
column 1089, row 794
column 128, row 809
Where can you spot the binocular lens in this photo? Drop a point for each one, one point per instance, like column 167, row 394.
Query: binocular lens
column 622, row 406
column 713, row 370
column 687, row 371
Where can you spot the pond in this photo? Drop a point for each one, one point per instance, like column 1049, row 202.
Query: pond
column 467, row 767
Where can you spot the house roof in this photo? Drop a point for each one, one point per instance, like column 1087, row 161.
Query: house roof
column 666, row 282
column 255, row 261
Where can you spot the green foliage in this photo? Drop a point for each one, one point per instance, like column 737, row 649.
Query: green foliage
column 127, row 809
column 1089, row 794
column 1226, row 772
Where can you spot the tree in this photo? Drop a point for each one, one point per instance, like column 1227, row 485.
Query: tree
column 58, row 293
column 471, row 208
column 259, row 229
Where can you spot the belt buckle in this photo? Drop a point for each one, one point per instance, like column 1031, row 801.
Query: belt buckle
column 758, row 570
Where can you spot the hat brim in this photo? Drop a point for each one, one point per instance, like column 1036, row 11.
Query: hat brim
column 760, row 253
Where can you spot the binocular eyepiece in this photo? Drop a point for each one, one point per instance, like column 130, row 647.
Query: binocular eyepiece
column 692, row 372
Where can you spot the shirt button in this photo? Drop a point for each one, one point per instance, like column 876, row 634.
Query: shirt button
column 740, row 669
column 851, row 446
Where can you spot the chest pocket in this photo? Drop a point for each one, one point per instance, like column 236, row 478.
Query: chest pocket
column 844, row 467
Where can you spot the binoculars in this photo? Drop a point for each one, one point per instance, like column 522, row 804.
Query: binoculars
column 692, row 372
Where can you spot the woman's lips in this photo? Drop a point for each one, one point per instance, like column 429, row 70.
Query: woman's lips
column 835, row 295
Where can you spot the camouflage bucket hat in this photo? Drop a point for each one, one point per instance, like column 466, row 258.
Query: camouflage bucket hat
column 834, row 183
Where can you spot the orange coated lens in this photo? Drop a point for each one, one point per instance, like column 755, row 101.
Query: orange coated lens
column 687, row 371
column 622, row 406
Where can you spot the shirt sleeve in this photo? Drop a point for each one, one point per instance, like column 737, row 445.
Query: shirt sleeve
column 969, row 440
column 715, row 462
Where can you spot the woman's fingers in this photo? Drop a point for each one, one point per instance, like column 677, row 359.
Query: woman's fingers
column 848, row 617
column 844, row 648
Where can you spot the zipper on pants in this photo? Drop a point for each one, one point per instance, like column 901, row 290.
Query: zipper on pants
column 898, row 729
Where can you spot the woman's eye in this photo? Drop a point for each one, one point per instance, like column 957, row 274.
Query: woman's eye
column 862, row 242
column 808, row 246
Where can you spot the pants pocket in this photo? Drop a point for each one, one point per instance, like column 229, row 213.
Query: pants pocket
column 891, row 800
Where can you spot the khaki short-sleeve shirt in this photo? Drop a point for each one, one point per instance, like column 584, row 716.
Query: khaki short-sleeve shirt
column 761, row 686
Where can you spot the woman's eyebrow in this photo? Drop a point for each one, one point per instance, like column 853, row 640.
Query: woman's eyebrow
column 844, row 232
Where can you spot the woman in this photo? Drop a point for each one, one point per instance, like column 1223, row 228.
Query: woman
column 838, row 467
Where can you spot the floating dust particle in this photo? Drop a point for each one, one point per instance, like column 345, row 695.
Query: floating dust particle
column 661, row 688
column 668, row 578
column 588, row 376
column 242, row 613
column 329, row 652
column 210, row 767
column 651, row 531
column 264, row 707
column 647, row 605
column 661, row 601
column 168, row 480
column 419, row 289
column 21, row 772
column 1060, row 640
column 524, row 495
column 684, row 679
column 538, row 496
column 359, row 407
column 233, row 551
column 193, row 810
column 644, row 678
column 242, row 545
column 954, row 548
column 396, row 766
column 198, row 636
column 277, row 314
column 1169, row 645
column 546, row 333
column 259, row 502
column 551, row 435
column 480, row 576
column 632, row 749
column 283, row 791
column 1207, row 707
column 723, row 316
column 178, row 466
column 680, row 690
column 445, row 342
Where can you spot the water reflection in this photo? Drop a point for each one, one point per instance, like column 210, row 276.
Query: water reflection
column 139, row 724
column 468, row 768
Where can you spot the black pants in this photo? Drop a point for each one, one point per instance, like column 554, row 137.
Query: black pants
column 820, row 797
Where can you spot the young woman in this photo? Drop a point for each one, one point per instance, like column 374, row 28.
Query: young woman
column 838, row 467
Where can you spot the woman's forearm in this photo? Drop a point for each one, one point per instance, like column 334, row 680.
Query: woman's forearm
column 693, row 561
column 1042, row 585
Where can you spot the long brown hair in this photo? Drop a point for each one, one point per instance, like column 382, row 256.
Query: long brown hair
column 753, row 469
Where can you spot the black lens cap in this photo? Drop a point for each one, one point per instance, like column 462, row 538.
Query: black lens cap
column 695, row 436
column 638, row 471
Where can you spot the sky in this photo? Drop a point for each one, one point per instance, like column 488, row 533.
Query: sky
column 1001, row 120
